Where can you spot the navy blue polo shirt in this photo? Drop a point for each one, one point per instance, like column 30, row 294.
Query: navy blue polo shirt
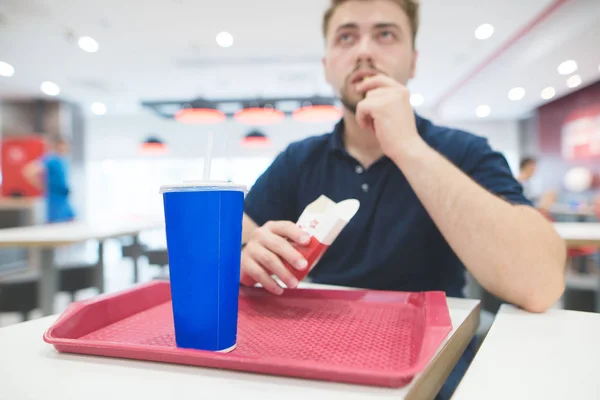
column 391, row 243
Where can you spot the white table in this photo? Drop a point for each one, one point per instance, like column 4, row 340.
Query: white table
column 579, row 233
column 19, row 203
column 50, row 236
column 32, row 369
column 581, row 212
column 551, row 356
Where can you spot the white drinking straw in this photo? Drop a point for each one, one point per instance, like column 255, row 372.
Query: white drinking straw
column 208, row 155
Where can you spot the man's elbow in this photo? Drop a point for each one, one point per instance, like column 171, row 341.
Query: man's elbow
column 546, row 293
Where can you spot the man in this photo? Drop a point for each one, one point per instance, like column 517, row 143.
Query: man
column 544, row 201
column 50, row 173
column 433, row 200
column 527, row 168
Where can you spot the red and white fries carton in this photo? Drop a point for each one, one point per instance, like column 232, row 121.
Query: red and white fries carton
column 323, row 219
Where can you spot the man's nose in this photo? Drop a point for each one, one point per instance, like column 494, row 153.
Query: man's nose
column 365, row 50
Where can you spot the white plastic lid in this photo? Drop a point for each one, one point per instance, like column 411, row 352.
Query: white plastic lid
column 203, row 186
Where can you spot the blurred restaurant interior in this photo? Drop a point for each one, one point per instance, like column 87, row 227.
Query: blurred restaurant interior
column 139, row 90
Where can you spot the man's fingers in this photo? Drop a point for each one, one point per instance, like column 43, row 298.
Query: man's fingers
column 272, row 264
column 255, row 272
column 363, row 116
column 375, row 82
column 284, row 249
column 288, row 230
column 245, row 278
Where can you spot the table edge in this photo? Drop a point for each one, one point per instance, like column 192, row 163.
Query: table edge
column 430, row 381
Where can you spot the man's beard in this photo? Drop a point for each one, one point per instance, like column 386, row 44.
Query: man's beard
column 350, row 104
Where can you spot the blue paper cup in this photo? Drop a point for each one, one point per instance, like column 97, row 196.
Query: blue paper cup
column 204, row 236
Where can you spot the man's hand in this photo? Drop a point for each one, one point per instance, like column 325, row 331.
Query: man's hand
column 387, row 113
column 261, row 257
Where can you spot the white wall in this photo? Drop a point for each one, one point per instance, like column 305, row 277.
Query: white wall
column 119, row 137
column 121, row 181
column 503, row 136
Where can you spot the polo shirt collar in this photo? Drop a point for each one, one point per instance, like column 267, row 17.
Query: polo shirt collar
column 336, row 141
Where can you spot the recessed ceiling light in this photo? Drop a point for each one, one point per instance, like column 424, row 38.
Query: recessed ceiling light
column 98, row 108
column 88, row 44
column 484, row 31
column 50, row 88
column 548, row 93
column 567, row 67
column 483, row 111
column 574, row 81
column 516, row 94
column 224, row 39
column 6, row 69
column 416, row 99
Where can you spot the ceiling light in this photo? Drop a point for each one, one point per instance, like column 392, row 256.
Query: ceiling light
column 88, row 44
column 6, row 69
column 98, row 108
column 516, row 94
column 416, row 99
column 317, row 110
column 483, row 111
column 255, row 116
column 207, row 116
column 224, row 39
column 574, row 81
column 50, row 88
column 484, row 31
column 567, row 67
column 548, row 93
column 153, row 146
column 256, row 139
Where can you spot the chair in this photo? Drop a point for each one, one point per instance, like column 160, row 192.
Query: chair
column 133, row 251
column 75, row 277
column 19, row 293
column 158, row 257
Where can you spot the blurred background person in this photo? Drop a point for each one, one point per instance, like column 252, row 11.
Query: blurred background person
column 544, row 201
column 527, row 168
column 51, row 174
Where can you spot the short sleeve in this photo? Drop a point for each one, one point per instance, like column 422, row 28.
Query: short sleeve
column 274, row 195
column 490, row 169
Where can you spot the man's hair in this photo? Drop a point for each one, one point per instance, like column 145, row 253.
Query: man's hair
column 525, row 161
column 410, row 7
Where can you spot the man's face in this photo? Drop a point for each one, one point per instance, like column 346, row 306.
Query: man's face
column 529, row 170
column 62, row 148
column 366, row 38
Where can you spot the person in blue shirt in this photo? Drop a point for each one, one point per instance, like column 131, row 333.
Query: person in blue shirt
column 433, row 200
column 51, row 174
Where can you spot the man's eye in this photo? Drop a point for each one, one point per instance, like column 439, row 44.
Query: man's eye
column 345, row 38
column 386, row 35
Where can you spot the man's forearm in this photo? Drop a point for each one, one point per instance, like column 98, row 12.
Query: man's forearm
column 511, row 250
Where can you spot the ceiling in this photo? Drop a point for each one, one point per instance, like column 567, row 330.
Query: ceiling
column 166, row 49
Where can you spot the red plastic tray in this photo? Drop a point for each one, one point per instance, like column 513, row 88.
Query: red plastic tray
column 354, row 336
